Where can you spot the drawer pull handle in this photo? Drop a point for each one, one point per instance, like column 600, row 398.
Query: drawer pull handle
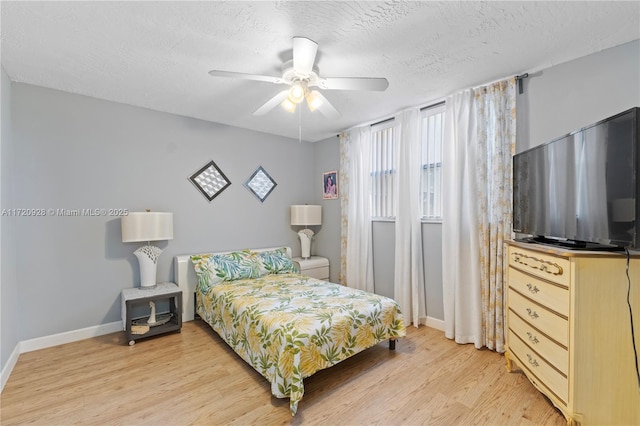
column 533, row 288
column 533, row 361
column 535, row 263
column 533, row 339
column 533, row 314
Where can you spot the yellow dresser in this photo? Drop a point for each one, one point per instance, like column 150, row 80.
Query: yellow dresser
column 569, row 330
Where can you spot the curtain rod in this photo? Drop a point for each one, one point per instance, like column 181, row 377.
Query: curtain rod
column 519, row 79
column 382, row 121
column 379, row 122
column 432, row 105
column 437, row 104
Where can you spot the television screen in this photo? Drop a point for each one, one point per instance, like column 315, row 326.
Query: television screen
column 582, row 187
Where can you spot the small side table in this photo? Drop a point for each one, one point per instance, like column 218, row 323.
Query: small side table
column 165, row 323
column 315, row 267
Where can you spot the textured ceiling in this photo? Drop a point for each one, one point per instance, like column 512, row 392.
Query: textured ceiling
column 157, row 54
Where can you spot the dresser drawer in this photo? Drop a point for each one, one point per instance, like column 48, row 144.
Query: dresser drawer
column 543, row 265
column 532, row 362
column 549, row 295
column 555, row 354
column 541, row 318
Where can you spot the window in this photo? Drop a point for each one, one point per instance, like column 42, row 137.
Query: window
column 383, row 173
column 432, row 126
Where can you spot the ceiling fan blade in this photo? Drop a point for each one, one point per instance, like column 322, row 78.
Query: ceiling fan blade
column 304, row 54
column 354, row 83
column 272, row 103
column 245, row 76
column 326, row 108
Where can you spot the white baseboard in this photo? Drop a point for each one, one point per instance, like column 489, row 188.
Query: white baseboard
column 69, row 336
column 55, row 340
column 436, row 323
column 8, row 367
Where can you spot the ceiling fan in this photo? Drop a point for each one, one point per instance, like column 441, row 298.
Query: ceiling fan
column 302, row 77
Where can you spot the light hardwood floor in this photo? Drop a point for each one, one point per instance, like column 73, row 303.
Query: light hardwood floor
column 193, row 377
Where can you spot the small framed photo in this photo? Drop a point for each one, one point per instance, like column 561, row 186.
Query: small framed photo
column 330, row 185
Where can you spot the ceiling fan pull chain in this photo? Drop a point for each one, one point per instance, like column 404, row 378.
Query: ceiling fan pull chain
column 299, row 125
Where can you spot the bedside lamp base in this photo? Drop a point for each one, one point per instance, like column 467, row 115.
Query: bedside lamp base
column 148, row 259
column 305, row 242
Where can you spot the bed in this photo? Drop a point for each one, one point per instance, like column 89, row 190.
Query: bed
column 285, row 325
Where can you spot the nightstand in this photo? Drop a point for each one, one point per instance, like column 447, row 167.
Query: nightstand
column 138, row 328
column 315, row 267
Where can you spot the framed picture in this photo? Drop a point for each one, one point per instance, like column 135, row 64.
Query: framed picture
column 260, row 184
column 210, row 180
column 330, row 185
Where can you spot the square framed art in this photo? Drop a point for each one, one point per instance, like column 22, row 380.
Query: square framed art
column 260, row 184
column 210, row 180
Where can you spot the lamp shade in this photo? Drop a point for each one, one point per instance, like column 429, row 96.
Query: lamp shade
column 147, row 226
column 306, row 215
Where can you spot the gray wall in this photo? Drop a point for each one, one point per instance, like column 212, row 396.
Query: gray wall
column 556, row 100
column 384, row 254
column 326, row 242
column 569, row 96
column 76, row 152
column 8, row 284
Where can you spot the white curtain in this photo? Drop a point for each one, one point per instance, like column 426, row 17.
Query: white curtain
column 460, row 255
column 479, row 141
column 357, row 249
column 409, row 289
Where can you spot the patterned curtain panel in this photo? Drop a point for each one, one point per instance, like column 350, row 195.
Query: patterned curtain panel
column 497, row 110
column 357, row 249
column 479, row 142
column 343, row 179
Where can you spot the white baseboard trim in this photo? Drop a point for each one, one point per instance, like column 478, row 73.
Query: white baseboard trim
column 54, row 340
column 69, row 336
column 8, row 367
column 436, row 323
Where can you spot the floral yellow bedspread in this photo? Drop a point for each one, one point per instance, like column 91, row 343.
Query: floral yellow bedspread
column 288, row 326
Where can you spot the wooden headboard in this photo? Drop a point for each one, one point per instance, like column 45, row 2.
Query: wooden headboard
column 186, row 279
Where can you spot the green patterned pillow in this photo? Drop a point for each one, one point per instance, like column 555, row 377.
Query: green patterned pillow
column 276, row 262
column 213, row 269
column 206, row 276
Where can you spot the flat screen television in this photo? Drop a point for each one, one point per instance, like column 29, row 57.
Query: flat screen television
column 582, row 190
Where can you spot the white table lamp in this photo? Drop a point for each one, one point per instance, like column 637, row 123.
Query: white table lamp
column 147, row 226
column 306, row 215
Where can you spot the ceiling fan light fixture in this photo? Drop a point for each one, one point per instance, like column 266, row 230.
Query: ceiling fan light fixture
column 288, row 106
column 313, row 100
column 297, row 92
column 299, row 74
